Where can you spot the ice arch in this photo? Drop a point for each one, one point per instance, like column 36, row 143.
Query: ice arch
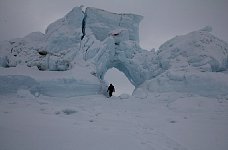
column 125, row 55
column 112, row 40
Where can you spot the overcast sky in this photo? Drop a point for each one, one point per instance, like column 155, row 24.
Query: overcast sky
column 163, row 19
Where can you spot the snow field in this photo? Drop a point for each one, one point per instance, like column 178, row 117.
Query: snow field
column 162, row 121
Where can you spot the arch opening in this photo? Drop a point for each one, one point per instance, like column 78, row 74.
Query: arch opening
column 120, row 81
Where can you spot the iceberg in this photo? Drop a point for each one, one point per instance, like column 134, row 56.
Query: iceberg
column 78, row 49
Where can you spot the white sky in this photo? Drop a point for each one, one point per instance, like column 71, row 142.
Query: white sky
column 163, row 19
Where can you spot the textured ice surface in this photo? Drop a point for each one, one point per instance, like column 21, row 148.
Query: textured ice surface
column 102, row 23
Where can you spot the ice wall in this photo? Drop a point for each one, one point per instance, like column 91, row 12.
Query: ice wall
column 101, row 23
column 75, row 82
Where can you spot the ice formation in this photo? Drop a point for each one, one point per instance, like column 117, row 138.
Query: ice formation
column 88, row 43
column 194, row 63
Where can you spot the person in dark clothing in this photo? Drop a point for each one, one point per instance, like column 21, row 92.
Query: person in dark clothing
column 110, row 90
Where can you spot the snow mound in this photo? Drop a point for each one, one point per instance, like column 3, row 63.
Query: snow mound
column 24, row 94
column 124, row 96
column 140, row 93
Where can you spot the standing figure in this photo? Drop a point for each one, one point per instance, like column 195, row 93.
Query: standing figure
column 110, row 90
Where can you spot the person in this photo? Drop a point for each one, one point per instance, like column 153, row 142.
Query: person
column 110, row 90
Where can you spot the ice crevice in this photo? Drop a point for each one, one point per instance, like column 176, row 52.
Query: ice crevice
column 83, row 25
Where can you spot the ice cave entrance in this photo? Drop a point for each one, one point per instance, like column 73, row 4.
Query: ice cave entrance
column 120, row 81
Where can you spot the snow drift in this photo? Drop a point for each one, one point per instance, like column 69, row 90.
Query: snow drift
column 77, row 50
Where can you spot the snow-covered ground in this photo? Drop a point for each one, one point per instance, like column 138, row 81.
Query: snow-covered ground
column 169, row 121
